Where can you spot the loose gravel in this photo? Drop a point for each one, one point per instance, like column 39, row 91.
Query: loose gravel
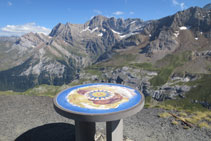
column 33, row 118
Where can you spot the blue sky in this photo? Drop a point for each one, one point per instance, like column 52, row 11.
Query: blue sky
column 43, row 15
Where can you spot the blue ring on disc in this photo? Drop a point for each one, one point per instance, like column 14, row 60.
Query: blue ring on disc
column 62, row 101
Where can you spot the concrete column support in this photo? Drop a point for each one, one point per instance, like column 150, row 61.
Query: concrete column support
column 84, row 131
column 114, row 130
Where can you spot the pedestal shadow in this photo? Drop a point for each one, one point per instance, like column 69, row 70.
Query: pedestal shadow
column 49, row 132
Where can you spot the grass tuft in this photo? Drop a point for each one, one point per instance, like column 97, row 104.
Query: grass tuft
column 204, row 125
column 174, row 122
column 191, row 120
column 164, row 115
column 183, row 114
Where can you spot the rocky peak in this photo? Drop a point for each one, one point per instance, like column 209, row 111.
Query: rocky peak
column 97, row 21
column 55, row 31
column 62, row 31
column 33, row 36
column 31, row 40
column 129, row 20
column 207, row 7
column 194, row 18
column 163, row 33
column 116, row 24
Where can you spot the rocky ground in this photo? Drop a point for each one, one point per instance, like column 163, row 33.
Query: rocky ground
column 33, row 118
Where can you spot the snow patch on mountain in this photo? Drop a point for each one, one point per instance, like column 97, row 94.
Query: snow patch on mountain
column 132, row 22
column 93, row 30
column 176, row 34
column 100, row 35
column 127, row 35
column 88, row 29
column 184, row 28
column 115, row 32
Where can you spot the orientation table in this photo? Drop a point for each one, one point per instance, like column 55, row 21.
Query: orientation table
column 99, row 102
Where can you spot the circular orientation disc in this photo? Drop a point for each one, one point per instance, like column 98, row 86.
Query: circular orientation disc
column 98, row 102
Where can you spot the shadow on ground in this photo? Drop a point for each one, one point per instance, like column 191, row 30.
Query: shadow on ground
column 49, row 132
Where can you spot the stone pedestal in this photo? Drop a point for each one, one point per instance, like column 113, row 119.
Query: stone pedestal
column 114, row 130
column 84, row 131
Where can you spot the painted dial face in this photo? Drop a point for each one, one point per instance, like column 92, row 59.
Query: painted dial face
column 99, row 95
column 98, row 98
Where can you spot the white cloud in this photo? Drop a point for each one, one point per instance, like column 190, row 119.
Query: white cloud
column 9, row 3
column 18, row 30
column 175, row 2
column 118, row 13
column 97, row 11
column 131, row 13
column 181, row 5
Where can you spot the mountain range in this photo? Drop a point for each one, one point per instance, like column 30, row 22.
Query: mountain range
column 58, row 58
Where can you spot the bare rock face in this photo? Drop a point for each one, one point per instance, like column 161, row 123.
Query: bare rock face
column 207, row 7
column 166, row 35
column 164, row 44
column 164, row 32
column 39, row 63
